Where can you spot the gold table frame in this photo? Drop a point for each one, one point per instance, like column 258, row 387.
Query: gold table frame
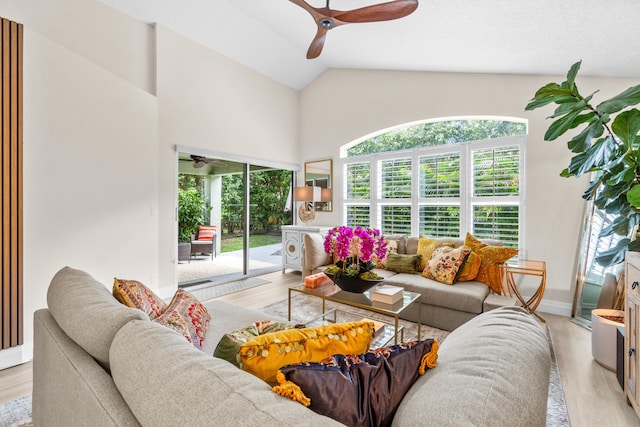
column 525, row 267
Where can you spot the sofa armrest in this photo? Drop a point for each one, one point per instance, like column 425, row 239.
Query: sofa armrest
column 492, row 370
column 69, row 387
column 313, row 254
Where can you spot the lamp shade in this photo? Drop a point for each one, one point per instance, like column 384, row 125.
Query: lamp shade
column 303, row 194
column 326, row 195
column 307, row 194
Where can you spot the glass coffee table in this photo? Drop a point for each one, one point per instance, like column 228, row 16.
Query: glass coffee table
column 363, row 301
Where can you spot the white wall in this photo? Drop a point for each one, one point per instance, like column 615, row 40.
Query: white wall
column 211, row 103
column 90, row 172
column 359, row 102
column 114, row 41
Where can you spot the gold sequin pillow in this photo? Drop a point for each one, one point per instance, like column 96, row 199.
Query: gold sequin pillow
column 262, row 356
column 444, row 264
column 136, row 295
column 492, row 256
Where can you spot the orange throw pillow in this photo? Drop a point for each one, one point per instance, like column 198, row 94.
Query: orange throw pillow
column 492, row 256
column 470, row 268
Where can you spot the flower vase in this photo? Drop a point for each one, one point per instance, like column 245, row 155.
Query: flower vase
column 353, row 284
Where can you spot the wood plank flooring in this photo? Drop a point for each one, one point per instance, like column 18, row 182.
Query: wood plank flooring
column 592, row 392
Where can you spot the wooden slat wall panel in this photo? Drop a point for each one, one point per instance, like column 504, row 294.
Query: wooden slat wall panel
column 11, row 294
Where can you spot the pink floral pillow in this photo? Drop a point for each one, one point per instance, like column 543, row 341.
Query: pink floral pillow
column 136, row 295
column 187, row 316
column 444, row 264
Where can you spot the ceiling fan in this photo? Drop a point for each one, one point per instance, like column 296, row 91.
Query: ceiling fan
column 200, row 161
column 327, row 18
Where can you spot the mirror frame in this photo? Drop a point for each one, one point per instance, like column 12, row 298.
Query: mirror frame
column 314, row 176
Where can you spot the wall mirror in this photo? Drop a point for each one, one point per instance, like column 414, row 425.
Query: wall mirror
column 320, row 174
column 596, row 286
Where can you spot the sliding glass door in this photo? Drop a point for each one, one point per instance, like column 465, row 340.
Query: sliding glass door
column 247, row 205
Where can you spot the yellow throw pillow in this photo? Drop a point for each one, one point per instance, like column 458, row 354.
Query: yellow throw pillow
column 262, row 356
column 426, row 247
column 470, row 268
column 492, row 256
column 444, row 264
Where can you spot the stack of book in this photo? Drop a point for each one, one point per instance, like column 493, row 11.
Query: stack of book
column 387, row 294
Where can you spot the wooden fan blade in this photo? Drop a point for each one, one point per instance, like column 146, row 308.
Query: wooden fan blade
column 317, row 44
column 316, row 13
column 379, row 12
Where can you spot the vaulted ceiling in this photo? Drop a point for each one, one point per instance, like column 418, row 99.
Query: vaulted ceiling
column 480, row 36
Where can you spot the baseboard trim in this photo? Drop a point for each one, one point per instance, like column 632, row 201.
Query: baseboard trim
column 16, row 356
column 555, row 307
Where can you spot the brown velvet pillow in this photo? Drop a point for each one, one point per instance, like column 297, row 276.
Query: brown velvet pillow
column 359, row 390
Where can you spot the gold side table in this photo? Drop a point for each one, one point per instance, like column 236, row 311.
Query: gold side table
column 525, row 267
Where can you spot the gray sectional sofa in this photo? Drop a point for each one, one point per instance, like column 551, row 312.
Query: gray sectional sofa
column 443, row 306
column 99, row 363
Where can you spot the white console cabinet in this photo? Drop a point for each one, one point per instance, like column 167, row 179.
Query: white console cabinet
column 631, row 330
column 293, row 242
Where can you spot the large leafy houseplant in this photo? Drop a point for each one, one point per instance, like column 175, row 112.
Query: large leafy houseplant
column 607, row 146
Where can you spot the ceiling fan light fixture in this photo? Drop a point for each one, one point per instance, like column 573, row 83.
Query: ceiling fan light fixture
column 327, row 18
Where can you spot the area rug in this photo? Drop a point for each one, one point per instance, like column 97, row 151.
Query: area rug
column 309, row 307
column 16, row 413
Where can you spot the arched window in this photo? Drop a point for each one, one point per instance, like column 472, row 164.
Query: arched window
column 439, row 178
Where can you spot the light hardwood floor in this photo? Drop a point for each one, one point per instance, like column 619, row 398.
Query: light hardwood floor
column 593, row 395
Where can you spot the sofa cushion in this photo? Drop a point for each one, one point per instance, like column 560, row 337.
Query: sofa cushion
column 444, row 264
column 492, row 370
column 87, row 312
column 230, row 343
column 187, row 316
column 400, row 263
column 174, row 384
column 359, row 390
column 136, row 295
column 262, row 356
column 492, row 256
column 314, row 254
column 466, row 296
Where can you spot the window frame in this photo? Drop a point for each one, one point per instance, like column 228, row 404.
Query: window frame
column 466, row 201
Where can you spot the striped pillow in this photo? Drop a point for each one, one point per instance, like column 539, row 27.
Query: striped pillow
column 206, row 232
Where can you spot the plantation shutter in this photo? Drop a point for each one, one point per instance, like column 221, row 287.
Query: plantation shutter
column 395, row 190
column 439, row 212
column 357, row 190
column 495, row 194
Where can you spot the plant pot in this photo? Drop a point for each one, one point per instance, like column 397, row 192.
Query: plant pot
column 353, row 284
column 603, row 337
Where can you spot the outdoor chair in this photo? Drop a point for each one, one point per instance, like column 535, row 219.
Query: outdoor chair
column 204, row 242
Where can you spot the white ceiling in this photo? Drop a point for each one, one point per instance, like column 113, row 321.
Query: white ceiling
column 481, row 36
